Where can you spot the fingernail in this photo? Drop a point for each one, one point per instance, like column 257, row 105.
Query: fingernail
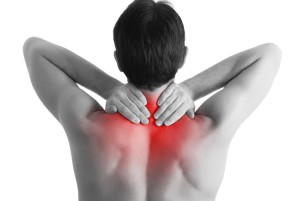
column 158, row 123
column 167, row 123
column 145, row 121
column 155, row 116
column 136, row 121
column 148, row 115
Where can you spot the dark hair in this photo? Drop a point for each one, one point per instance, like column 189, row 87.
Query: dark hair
column 149, row 39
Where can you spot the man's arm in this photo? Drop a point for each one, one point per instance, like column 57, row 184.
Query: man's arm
column 246, row 78
column 54, row 72
column 58, row 92
column 77, row 68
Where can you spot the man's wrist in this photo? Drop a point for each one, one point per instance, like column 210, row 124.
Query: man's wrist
column 188, row 89
column 110, row 89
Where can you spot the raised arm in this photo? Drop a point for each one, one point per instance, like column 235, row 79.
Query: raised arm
column 245, row 78
column 50, row 63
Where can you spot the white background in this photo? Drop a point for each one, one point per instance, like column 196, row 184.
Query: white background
column 264, row 157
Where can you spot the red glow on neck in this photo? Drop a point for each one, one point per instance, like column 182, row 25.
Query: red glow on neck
column 151, row 106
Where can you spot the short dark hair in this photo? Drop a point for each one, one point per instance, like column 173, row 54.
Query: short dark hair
column 149, row 39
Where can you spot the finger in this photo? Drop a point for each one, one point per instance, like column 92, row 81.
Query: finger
column 176, row 103
column 134, row 110
column 138, row 94
column 124, row 111
column 192, row 110
column 165, row 105
column 110, row 109
column 190, row 114
column 177, row 114
column 165, row 94
column 139, row 105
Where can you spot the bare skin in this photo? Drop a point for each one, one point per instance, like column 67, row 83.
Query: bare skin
column 117, row 160
column 184, row 161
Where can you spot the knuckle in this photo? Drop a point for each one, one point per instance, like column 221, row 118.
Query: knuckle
column 133, row 97
column 157, row 114
column 161, row 109
column 165, row 94
column 131, row 117
column 144, row 110
column 170, row 119
column 141, row 116
column 130, row 96
column 137, row 112
column 170, row 108
column 178, row 112
column 140, row 105
column 168, row 111
column 134, row 90
column 141, row 109
column 128, row 115
column 162, row 117
column 168, row 102
column 139, row 96
column 131, row 105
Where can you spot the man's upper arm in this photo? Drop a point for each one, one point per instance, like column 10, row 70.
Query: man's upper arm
column 237, row 100
column 58, row 92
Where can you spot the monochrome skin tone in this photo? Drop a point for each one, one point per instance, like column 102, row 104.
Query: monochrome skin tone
column 149, row 145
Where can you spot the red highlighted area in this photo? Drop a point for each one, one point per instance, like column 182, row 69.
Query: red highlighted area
column 128, row 154
column 154, row 145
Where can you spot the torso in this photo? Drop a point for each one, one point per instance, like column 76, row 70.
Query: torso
column 116, row 160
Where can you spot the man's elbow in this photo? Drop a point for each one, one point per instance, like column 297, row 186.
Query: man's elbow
column 30, row 50
column 272, row 50
column 27, row 46
column 30, row 44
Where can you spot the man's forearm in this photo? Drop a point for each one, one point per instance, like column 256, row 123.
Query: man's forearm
column 77, row 68
column 221, row 73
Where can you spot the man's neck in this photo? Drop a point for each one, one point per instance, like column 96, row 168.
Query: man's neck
column 153, row 96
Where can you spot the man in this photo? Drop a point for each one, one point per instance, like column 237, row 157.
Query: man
column 161, row 153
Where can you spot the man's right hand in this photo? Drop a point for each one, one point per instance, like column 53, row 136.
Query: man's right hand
column 174, row 102
column 130, row 102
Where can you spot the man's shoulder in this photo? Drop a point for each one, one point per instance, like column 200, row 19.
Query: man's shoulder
column 99, row 121
column 100, row 117
column 102, row 121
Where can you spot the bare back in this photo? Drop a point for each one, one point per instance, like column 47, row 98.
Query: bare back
column 116, row 160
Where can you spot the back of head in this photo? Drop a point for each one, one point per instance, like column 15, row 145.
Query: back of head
column 149, row 39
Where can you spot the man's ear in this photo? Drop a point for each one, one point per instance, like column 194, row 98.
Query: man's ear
column 184, row 57
column 116, row 58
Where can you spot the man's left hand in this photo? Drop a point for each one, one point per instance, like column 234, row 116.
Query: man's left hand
column 174, row 102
